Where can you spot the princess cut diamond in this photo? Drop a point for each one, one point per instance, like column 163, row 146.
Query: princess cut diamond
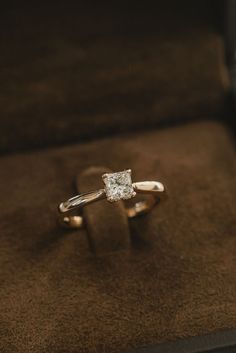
column 118, row 186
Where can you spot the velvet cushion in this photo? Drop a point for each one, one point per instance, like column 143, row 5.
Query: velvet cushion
column 103, row 234
column 177, row 277
column 72, row 72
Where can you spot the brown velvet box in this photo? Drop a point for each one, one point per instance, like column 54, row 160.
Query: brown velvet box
column 122, row 86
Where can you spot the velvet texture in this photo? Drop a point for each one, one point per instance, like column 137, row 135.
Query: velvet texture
column 177, row 277
column 80, row 71
column 104, row 235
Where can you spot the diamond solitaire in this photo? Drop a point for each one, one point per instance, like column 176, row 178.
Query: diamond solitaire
column 118, row 186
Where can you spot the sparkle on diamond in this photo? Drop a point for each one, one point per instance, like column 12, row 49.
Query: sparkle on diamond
column 118, row 185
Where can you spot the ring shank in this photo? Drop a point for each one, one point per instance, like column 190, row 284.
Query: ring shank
column 154, row 189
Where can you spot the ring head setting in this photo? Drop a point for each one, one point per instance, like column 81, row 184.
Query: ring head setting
column 118, row 186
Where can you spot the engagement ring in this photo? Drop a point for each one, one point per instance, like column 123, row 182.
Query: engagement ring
column 117, row 186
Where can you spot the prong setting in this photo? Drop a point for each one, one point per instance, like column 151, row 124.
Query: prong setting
column 104, row 176
column 118, row 186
